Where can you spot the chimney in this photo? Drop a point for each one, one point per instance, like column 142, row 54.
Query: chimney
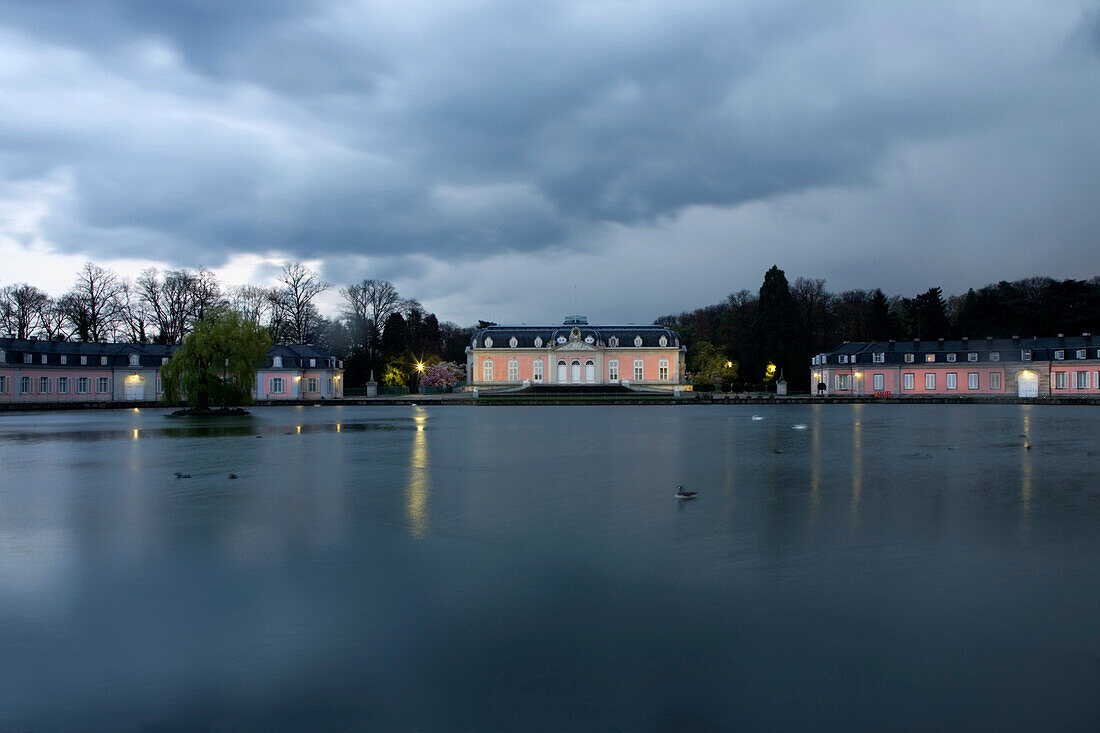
column 1015, row 340
column 966, row 340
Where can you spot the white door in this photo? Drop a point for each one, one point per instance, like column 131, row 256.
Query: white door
column 135, row 388
column 1027, row 384
column 575, row 371
column 562, row 377
column 589, row 372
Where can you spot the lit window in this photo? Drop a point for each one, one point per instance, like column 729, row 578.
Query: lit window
column 537, row 372
column 613, row 370
column 843, row 381
column 929, row 357
column 487, row 370
column 513, row 370
column 907, row 381
column 972, row 380
column 952, row 380
column 879, row 382
column 929, row 381
column 662, row 369
column 638, row 370
column 995, row 380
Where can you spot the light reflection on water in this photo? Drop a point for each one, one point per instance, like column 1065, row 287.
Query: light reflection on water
column 385, row 567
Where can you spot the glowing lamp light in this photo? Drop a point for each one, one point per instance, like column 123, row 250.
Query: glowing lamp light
column 419, row 366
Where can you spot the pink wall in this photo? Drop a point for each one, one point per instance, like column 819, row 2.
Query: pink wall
column 11, row 394
column 894, row 375
column 526, row 361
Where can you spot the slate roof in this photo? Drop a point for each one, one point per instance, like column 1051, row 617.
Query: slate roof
column 1005, row 349
column 603, row 335
column 149, row 355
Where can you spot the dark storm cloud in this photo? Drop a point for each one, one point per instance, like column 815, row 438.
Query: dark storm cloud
column 467, row 129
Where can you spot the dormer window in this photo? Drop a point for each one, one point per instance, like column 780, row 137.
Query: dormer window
column 64, row 359
column 538, row 342
column 929, row 358
column 163, row 360
column 1025, row 355
column 843, row 359
column 951, row 358
column 910, row 358
column 589, row 340
column 43, row 358
column 1080, row 354
column 513, row 343
column 879, row 357
column 277, row 362
column 995, row 356
column 561, row 339
column 637, row 341
column 83, row 360
column 103, row 361
column 28, row 358
column 133, row 359
column 1060, row 354
column 3, row 357
column 663, row 341
column 488, row 342
column 613, row 341
column 313, row 362
column 972, row 356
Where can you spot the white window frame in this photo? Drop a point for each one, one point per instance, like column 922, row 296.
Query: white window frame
column 910, row 358
column 134, row 360
column 1059, row 354
column 929, row 380
column 972, row 356
column 951, row 358
column 842, row 359
column 952, row 381
column 842, row 382
column 639, row 370
column 28, row 358
column 879, row 357
column 3, row 384
column 995, row 356
column 43, row 385
column 662, row 370
column 63, row 385
column 1081, row 380
column 277, row 385
column 879, row 382
column 82, row 385
column 1061, row 380
column 908, row 381
column 613, row 370
column 487, row 370
column 25, row 385
column 538, row 370
column 994, row 380
column 311, row 383
column 929, row 358
column 84, row 360
column 103, row 385
column 276, row 362
column 1081, row 354
column 1025, row 355
column 973, row 381
column 313, row 363
column 513, row 370
column 103, row 361
column 44, row 360
column 64, row 360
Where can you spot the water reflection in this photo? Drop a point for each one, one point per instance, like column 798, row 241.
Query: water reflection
column 1025, row 472
column 196, row 431
column 815, row 467
column 857, row 463
column 419, row 483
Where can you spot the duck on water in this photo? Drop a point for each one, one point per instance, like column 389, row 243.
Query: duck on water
column 682, row 493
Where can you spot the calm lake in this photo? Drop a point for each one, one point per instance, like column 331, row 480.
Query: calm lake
column 845, row 567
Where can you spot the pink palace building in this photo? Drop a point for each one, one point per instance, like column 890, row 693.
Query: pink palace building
column 73, row 371
column 576, row 354
column 1065, row 366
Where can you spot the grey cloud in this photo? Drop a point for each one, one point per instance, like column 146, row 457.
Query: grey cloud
column 460, row 131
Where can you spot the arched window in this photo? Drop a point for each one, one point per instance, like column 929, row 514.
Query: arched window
column 537, row 371
column 563, row 375
column 575, row 371
column 664, row 341
column 487, row 370
column 488, row 342
column 637, row 340
column 590, row 372
column 538, row 342
column 513, row 342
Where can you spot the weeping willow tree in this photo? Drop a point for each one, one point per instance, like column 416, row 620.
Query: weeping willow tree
column 217, row 362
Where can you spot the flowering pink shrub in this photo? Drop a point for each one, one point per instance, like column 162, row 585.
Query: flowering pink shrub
column 444, row 374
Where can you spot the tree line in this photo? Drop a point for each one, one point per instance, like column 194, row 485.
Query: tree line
column 376, row 331
column 751, row 338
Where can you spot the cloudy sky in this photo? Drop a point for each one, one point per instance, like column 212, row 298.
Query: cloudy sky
column 517, row 161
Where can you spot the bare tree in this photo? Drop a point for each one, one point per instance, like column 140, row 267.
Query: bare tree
column 93, row 305
column 22, row 307
column 178, row 299
column 55, row 325
column 251, row 301
column 300, row 287
column 136, row 315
